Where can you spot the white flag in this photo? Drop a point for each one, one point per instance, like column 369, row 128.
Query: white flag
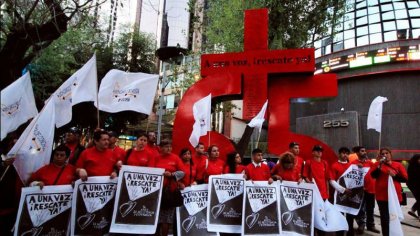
column 258, row 120
column 394, row 208
column 202, row 114
column 34, row 146
column 80, row 87
column 326, row 217
column 374, row 120
column 17, row 104
column 122, row 91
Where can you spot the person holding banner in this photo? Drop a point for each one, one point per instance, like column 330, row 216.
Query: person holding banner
column 257, row 170
column 381, row 171
column 189, row 168
column 286, row 168
column 140, row 155
column 318, row 170
column 299, row 163
column 98, row 160
column 233, row 164
column 58, row 172
column 212, row 166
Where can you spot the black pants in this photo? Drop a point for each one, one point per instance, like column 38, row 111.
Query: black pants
column 384, row 212
column 365, row 216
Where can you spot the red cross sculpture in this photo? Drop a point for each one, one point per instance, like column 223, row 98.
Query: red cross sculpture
column 255, row 75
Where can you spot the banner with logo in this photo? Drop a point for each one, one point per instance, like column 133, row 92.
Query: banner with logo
column 137, row 204
column 92, row 206
column 44, row 212
column 353, row 179
column 296, row 207
column 192, row 216
column 261, row 212
column 224, row 213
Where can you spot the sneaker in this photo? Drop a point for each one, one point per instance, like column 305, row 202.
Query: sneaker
column 373, row 229
column 413, row 214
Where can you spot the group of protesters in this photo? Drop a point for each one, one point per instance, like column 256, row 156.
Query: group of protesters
column 71, row 161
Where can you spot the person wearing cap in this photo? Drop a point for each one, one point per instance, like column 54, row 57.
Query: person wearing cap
column 365, row 217
column 72, row 141
column 58, row 172
column 119, row 153
column 257, row 170
column 318, row 170
column 98, row 160
column 299, row 163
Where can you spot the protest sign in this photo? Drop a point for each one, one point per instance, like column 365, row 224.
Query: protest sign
column 224, row 213
column 192, row 216
column 296, row 207
column 261, row 211
column 137, row 202
column 353, row 179
column 92, row 206
column 44, row 212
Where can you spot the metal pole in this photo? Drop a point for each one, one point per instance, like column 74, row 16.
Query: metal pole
column 161, row 102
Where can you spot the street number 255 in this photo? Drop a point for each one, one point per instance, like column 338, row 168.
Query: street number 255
column 336, row 123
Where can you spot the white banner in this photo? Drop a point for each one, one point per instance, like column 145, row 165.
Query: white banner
column 374, row 119
column 202, row 119
column 92, row 206
column 261, row 210
column 123, row 91
column 44, row 212
column 258, row 120
column 17, row 104
column 394, row 208
column 137, row 203
column 353, row 179
column 191, row 217
column 224, row 213
column 297, row 208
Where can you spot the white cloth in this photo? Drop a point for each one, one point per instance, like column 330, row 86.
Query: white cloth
column 395, row 212
column 374, row 119
column 17, row 104
column 123, row 91
column 202, row 117
column 258, row 120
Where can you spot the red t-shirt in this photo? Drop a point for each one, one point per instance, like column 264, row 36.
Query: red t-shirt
column 319, row 171
column 153, row 149
column 72, row 147
column 97, row 163
column 258, row 173
column 49, row 173
column 337, row 169
column 238, row 169
column 382, row 180
column 119, row 153
column 369, row 181
column 286, row 174
column 171, row 163
column 141, row 158
column 199, row 159
column 190, row 173
column 298, row 165
column 214, row 167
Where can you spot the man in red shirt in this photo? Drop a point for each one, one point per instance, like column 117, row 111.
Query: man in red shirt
column 317, row 169
column 299, row 163
column 200, row 154
column 98, row 160
column 257, row 170
column 119, row 153
column 72, row 140
column 151, row 143
column 365, row 216
column 58, row 172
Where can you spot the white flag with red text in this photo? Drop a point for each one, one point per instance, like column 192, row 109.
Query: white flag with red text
column 202, row 118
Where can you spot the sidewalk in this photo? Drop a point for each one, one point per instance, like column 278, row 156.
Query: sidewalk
column 408, row 220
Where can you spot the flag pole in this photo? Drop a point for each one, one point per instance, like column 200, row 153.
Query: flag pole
column 209, row 139
column 4, row 173
column 258, row 138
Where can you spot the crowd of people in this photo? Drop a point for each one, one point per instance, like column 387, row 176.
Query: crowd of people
column 71, row 161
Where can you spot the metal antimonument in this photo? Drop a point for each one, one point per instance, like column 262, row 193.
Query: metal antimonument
column 255, row 75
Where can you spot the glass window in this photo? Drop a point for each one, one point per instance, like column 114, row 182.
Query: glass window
column 375, row 38
column 317, row 44
column 350, row 5
column 386, row 0
column 403, row 24
column 328, row 49
column 373, row 10
column 386, row 7
column 349, row 24
column 415, row 22
column 338, row 46
column 362, row 21
column 372, row 2
column 360, row 13
column 399, row 5
column 349, row 34
column 412, row 4
column 414, row 12
column 390, row 36
column 401, row 14
column 361, row 5
column 338, row 37
column 374, row 18
column 349, row 16
column 349, row 43
column 416, row 33
column 363, row 40
column 362, row 31
column 388, row 15
column 390, row 25
column 338, row 27
column 374, row 28
column 318, row 52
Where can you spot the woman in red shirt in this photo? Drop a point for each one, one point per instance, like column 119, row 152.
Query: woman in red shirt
column 285, row 170
column 212, row 166
column 233, row 165
column 381, row 172
column 140, row 156
column 189, row 168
